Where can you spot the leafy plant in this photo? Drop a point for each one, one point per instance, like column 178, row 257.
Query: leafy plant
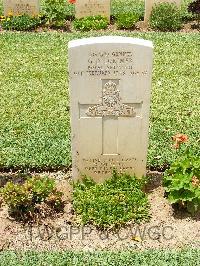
column 17, row 197
column 40, row 188
column 127, row 20
column 112, row 203
column 182, row 182
column 194, row 8
column 22, row 199
column 136, row 7
column 185, row 14
column 21, row 23
column 91, row 23
column 56, row 12
column 165, row 17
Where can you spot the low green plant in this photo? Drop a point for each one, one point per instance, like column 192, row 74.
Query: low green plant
column 182, row 180
column 112, row 203
column 185, row 14
column 21, row 23
column 56, row 12
column 22, row 199
column 91, row 23
column 127, row 20
column 119, row 7
column 165, row 17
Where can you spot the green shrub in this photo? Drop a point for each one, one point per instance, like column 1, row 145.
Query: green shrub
column 112, row 203
column 165, row 17
column 185, row 14
column 17, row 197
column 119, row 7
column 22, row 199
column 56, row 12
column 182, row 182
column 40, row 188
column 91, row 23
column 127, row 20
column 21, row 23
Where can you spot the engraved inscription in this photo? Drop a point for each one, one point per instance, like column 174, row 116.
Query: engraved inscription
column 21, row 7
column 115, row 63
column 111, row 103
column 92, row 8
column 106, row 166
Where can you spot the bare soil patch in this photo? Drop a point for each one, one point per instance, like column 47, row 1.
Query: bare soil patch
column 166, row 228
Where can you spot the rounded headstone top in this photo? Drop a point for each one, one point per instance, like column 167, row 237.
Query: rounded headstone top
column 110, row 40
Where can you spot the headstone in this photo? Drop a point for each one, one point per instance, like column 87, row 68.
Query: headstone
column 20, row 7
column 150, row 3
column 110, row 87
column 85, row 8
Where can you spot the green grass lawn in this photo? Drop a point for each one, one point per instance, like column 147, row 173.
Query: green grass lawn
column 34, row 99
column 189, row 257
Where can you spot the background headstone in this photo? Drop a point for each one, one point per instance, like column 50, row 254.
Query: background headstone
column 150, row 3
column 85, row 8
column 20, row 7
column 110, row 86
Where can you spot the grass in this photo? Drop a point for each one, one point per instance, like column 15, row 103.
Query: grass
column 112, row 203
column 34, row 99
column 188, row 257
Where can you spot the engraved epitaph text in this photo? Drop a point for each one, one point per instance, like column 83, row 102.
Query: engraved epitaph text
column 85, row 8
column 20, row 7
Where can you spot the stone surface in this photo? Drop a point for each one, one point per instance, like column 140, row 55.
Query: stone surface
column 86, row 8
column 20, row 7
column 150, row 3
column 110, row 84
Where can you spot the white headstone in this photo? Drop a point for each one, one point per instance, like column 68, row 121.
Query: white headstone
column 110, row 87
column 85, row 8
column 150, row 3
column 20, row 7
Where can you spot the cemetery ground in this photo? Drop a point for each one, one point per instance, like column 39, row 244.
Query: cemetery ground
column 127, row 16
column 35, row 137
column 35, row 126
column 35, row 142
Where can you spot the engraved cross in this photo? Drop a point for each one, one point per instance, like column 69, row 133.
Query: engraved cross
column 110, row 110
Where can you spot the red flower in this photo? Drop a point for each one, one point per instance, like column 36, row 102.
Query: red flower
column 179, row 139
column 72, row 1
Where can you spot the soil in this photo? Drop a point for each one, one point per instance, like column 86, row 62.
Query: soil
column 166, row 228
